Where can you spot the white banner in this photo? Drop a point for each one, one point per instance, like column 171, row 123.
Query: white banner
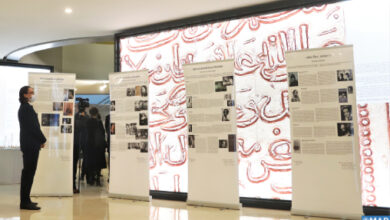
column 324, row 133
column 129, row 161
column 212, row 168
column 55, row 108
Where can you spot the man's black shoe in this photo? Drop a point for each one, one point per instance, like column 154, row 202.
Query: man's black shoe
column 34, row 203
column 29, row 207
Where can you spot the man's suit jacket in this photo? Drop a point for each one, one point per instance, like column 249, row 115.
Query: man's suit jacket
column 31, row 136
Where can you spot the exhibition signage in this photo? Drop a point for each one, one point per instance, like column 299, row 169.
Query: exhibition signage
column 325, row 152
column 212, row 168
column 129, row 161
column 55, row 95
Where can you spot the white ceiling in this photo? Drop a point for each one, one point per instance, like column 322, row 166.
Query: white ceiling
column 28, row 22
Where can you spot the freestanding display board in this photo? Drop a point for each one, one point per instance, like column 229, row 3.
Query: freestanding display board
column 129, row 161
column 212, row 168
column 55, row 108
column 324, row 133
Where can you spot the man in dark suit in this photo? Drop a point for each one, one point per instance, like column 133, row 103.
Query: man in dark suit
column 31, row 141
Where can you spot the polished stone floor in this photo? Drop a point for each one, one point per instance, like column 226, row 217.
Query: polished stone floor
column 93, row 203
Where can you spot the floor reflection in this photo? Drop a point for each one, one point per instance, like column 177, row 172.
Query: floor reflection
column 93, row 203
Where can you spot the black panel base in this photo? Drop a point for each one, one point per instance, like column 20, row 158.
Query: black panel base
column 177, row 196
column 266, row 203
column 369, row 210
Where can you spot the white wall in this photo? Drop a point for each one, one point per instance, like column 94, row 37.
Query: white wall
column 88, row 61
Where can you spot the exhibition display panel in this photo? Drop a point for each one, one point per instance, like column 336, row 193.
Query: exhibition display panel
column 54, row 105
column 212, row 129
column 129, row 159
column 324, row 137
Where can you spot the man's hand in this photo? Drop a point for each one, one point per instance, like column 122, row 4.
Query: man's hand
column 43, row 145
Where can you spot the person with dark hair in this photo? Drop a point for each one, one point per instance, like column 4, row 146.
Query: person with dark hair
column 31, row 141
column 79, row 142
column 96, row 145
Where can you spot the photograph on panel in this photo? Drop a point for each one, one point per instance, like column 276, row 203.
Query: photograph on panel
column 67, row 121
column 144, row 147
column 112, row 128
column 68, row 108
column 293, row 79
column 66, row 129
column 297, row 146
column 134, row 146
column 50, row 119
column 144, row 91
column 138, row 91
column 346, row 112
column 350, row 89
column 295, row 96
column 225, row 114
column 143, row 119
column 223, row 143
column 58, row 106
column 219, row 87
column 232, row 142
column 130, row 92
column 112, row 105
column 190, row 128
column 344, row 129
column 189, row 101
column 344, row 75
column 141, row 134
column 191, row 141
column 343, row 96
column 227, row 80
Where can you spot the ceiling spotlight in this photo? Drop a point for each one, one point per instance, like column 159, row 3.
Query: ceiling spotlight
column 68, row 10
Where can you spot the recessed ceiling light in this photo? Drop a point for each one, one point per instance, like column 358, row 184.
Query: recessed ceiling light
column 68, row 10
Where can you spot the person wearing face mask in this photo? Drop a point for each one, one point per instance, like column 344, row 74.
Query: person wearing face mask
column 31, row 141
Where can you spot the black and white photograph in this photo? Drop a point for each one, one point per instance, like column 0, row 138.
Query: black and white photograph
column 190, row 128
column 293, row 79
column 67, row 121
column 143, row 119
column 343, row 96
column 189, row 101
column 232, row 142
column 112, row 105
column 58, row 106
column 129, row 146
column 112, row 128
column 219, row 87
column 66, row 129
column 350, row 89
column 144, row 91
column 295, row 96
column 227, row 80
column 297, row 146
column 50, row 120
column 230, row 103
column 134, row 146
column 140, row 105
column 141, row 134
column 346, row 112
column 223, row 143
column 144, row 147
column 344, row 75
column 225, row 114
column 191, row 141
column 130, row 92
column 131, row 128
column 344, row 129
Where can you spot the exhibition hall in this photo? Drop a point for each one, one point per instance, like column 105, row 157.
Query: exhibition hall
column 187, row 110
